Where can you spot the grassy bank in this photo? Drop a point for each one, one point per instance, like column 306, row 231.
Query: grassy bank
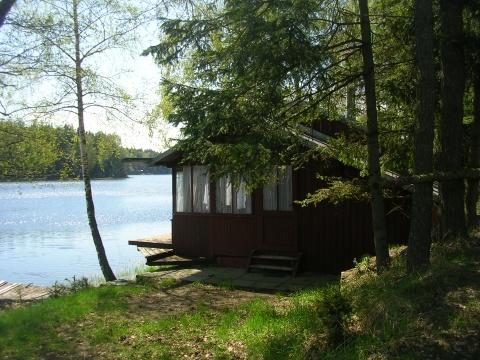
column 430, row 315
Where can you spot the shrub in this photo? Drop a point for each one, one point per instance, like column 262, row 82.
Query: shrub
column 72, row 286
column 335, row 311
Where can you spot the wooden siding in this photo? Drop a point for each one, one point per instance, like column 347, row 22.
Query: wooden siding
column 190, row 234
column 329, row 236
column 332, row 236
column 279, row 231
column 233, row 235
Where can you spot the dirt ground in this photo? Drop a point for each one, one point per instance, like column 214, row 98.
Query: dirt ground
column 163, row 303
column 189, row 297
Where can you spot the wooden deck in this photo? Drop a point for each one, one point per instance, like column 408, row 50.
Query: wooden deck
column 157, row 242
column 159, row 250
column 15, row 292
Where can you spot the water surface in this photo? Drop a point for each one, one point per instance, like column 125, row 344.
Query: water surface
column 44, row 233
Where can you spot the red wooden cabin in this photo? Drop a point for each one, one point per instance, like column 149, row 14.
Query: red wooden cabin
column 211, row 219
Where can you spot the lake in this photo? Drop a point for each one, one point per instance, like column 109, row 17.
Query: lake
column 44, row 232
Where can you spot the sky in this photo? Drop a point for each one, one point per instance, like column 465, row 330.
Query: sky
column 143, row 79
column 140, row 76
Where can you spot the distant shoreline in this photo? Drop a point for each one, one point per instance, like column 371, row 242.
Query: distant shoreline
column 73, row 179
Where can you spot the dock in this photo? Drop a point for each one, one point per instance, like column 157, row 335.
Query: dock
column 157, row 242
column 159, row 250
column 15, row 292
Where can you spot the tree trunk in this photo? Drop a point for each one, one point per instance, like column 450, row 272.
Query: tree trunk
column 350, row 104
column 451, row 129
column 378, row 210
column 474, row 161
column 97, row 239
column 419, row 240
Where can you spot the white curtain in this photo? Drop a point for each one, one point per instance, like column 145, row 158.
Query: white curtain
column 228, row 192
column 183, row 193
column 285, row 188
column 270, row 197
column 201, row 187
column 223, row 195
column 179, row 191
column 279, row 196
column 243, row 200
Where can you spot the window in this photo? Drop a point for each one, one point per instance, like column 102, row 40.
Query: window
column 192, row 189
column 278, row 196
column 183, row 189
column 201, row 186
column 230, row 200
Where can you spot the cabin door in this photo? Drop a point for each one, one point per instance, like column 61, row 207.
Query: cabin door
column 278, row 220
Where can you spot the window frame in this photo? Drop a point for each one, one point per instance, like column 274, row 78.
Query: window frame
column 234, row 202
column 208, row 185
column 278, row 192
column 180, row 168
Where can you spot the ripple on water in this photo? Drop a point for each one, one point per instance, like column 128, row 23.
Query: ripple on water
column 44, row 225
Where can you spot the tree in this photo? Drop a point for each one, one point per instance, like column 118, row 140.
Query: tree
column 422, row 200
column 245, row 75
column 254, row 73
column 451, row 119
column 375, row 183
column 71, row 38
column 473, row 61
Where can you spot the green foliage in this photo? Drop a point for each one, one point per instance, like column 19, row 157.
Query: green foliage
column 402, row 315
column 335, row 311
column 254, row 71
column 337, row 191
column 42, row 151
column 71, row 286
column 241, row 76
column 363, row 265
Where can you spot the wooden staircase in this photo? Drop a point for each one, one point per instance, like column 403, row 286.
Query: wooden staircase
column 274, row 261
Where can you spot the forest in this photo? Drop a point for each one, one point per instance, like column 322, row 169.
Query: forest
column 404, row 76
column 45, row 152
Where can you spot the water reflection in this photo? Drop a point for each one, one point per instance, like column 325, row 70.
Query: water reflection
column 44, row 233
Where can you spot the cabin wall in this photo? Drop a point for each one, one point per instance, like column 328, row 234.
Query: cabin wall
column 329, row 236
column 191, row 234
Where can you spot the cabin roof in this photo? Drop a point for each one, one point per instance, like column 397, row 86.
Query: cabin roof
column 313, row 137
column 172, row 156
column 168, row 158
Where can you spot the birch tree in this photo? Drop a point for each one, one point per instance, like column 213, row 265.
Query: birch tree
column 76, row 42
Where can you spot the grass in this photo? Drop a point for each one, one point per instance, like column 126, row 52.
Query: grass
column 32, row 331
column 435, row 314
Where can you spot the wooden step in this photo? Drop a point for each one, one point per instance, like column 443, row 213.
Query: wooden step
column 271, row 267
column 274, row 260
column 159, row 255
column 275, row 257
column 177, row 260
